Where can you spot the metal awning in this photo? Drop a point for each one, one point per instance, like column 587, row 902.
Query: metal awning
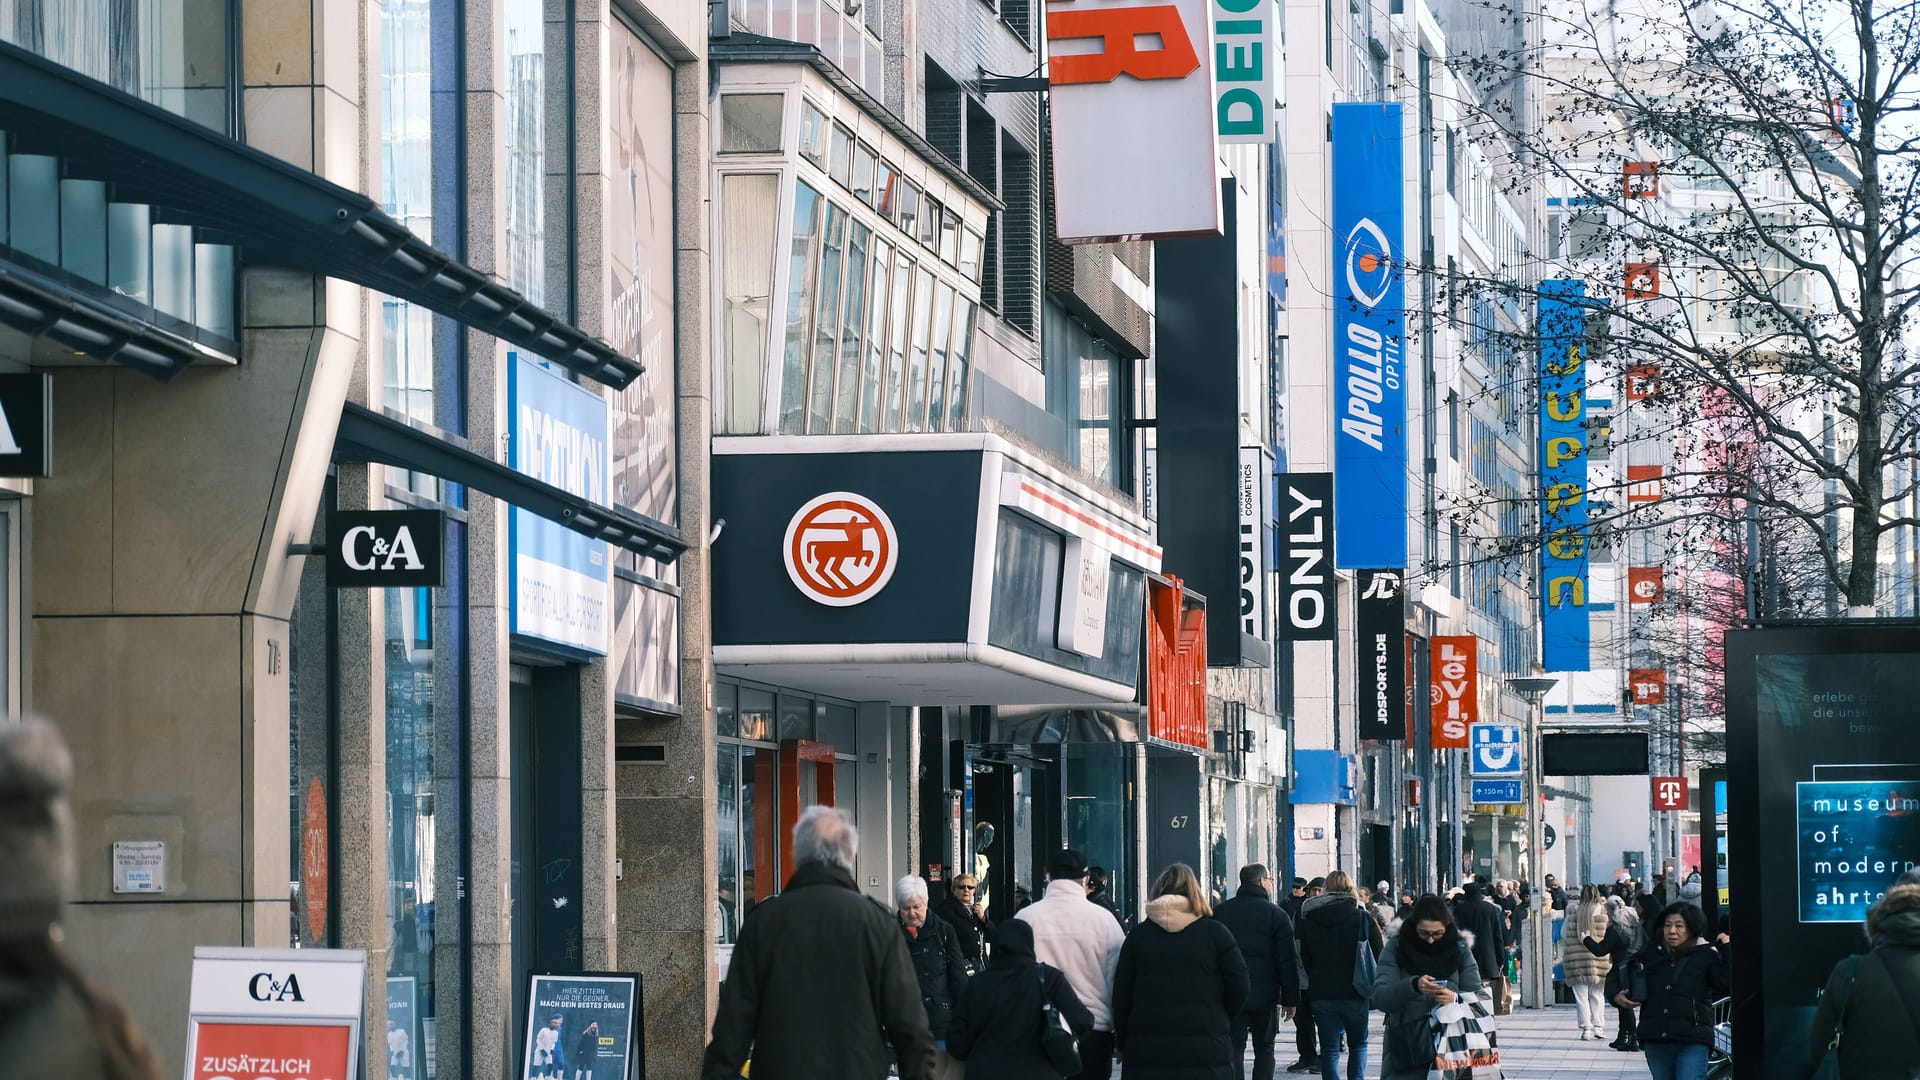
column 280, row 214
column 383, row 439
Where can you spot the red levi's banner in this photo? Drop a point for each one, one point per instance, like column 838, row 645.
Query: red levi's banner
column 243, row 1051
column 1455, row 676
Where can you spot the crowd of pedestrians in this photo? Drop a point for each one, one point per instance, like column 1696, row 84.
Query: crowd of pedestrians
column 825, row 982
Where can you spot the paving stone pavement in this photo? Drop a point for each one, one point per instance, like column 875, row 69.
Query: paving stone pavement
column 1535, row 1044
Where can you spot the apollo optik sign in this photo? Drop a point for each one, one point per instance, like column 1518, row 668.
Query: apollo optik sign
column 1369, row 334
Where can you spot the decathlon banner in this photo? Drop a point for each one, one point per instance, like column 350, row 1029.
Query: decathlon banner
column 1566, row 631
column 1369, row 332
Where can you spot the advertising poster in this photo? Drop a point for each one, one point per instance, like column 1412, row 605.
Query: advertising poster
column 559, row 435
column 1369, row 332
column 581, row 1027
column 1381, row 621
column 403, row 1028
column 272, row 1014
column 1823, row 748
column 224, row 1051
column 1566, row 626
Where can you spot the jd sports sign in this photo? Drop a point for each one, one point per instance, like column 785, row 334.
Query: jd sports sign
column 390, row 548
column 26, row 425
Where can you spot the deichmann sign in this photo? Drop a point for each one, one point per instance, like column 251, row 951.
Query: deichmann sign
column 1253, row 571
column 1121, row 109
column 1455, row 693
column 1369, row 325
column 840, row 549
column 275, row 1014
column 1566, row 631
column 399, row 549
column 26, row 425
column 1244, row 72
column 560, row 577
column 1383, row 663
column 1308, row 611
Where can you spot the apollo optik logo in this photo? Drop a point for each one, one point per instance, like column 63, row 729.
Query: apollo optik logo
column 1370, row 267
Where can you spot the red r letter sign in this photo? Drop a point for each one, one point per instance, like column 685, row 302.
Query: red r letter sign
column 1118, row 29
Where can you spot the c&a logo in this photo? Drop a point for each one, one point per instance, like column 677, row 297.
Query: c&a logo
column 840, row 549
column 266, row 987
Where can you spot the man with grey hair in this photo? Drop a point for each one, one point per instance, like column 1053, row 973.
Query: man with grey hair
column 820, row 985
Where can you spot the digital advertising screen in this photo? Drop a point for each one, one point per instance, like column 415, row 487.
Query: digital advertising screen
column 1823, row 746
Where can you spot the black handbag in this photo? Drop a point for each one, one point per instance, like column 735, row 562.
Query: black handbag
column 1057, row 1040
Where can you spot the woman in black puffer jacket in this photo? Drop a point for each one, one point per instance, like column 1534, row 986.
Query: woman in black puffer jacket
column 1680, row 975
column 1180, row 979
column 996, row 1023
column 937, row 959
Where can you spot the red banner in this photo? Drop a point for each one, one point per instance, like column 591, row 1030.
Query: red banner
column 1643, row 382
column 1455, row 695
column 1645, row 483
column 1669, row 793
column 1649, row 686
column 1176, row 666
column 1646, row 585
column 1643, row 280
column 1640, row 179
column 271, row 1051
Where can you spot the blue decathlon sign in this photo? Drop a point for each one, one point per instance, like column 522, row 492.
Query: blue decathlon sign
column 1369, row 338
column 1498, row 792
column 1495, row 749
column 1566, row 628
column 559, row 435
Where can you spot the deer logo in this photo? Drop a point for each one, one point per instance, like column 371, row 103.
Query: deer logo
column 840, row 549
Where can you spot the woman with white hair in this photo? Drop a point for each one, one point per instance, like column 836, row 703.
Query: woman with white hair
column 937, row 960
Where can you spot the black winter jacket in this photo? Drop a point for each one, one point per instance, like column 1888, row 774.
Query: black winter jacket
column 820, row 984
column 941, row 968
column 1882, row 1035
column 1265, row 936
column 1179, row 981
column 1616, row 947
column 996, row 1024
column 1681, row 990
column 1329, row 932
column 1483, row 919
column 972, row 932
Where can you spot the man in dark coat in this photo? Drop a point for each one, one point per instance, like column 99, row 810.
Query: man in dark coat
column 968, row 918
column 820, row 984
column 1099, row 895
column 1483, row 919
column 1265, row 936
column 1306, row 1037
column 996, row 1026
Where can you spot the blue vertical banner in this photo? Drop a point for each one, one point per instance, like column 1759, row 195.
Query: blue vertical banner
column 1566, row 629
column 558, row 433
column 1369, row 338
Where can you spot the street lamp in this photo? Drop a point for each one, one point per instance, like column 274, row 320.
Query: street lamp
column 1537, row 982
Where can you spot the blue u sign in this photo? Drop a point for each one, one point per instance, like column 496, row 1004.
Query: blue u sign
column 1495, row 749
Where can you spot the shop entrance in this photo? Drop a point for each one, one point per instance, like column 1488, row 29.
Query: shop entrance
column 543, row 714
column 1016, row 821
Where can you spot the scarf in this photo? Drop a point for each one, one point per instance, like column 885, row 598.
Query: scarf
column 1441, row 959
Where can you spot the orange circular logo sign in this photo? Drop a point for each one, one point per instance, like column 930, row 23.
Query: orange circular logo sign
column 314, row 861
column 840, row 549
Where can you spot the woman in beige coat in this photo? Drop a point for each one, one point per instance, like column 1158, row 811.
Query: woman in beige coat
column 1587, row 973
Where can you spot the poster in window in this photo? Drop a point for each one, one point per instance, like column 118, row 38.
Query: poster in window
column 582, row 1027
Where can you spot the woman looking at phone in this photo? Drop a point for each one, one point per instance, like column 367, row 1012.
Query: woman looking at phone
column 1426, row 965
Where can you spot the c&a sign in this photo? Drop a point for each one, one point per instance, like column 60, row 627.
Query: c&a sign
column 387, row 548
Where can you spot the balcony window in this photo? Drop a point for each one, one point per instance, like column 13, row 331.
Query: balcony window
column 750, row 123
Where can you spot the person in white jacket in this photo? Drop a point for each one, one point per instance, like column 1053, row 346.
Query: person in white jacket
column 1083, row 940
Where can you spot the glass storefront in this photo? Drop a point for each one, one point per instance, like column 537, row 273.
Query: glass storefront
column 780, row 751
column 1100, row 812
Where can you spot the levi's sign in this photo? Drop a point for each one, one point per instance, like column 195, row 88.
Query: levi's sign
column 1456, row 696
column 386, row 548
column 1128, row 91
column 1307, row 582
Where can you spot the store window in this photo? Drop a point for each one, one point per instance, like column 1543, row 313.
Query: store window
column 526, row 131
column 168, row 52
column 312, row 730
column 426, row 715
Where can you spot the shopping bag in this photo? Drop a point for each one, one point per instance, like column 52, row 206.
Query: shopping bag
column 1466, row 1046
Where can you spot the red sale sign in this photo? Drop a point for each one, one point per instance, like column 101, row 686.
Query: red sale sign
column 229, row 1051
column 1669, row 793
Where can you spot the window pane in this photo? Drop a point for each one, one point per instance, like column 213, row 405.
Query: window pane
column 726, row 771
column 826, row 333
column 930, row 217
column 756, row 828
column 801, row 267
column 847, row 389
column 949, row 233
column 756, row 714
column 937, row 377
column 863, row 173
column 897, row 342
column 750, row 123
column 813, row 134
column 970, row 244
column 749, row 209
column 876, row 362
column 726, row 710
column 526, row 107
column 842, row 163
column 796, row 717
column 909, row 209
column 916, row 408
column 885, row 198
column 960, row 382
